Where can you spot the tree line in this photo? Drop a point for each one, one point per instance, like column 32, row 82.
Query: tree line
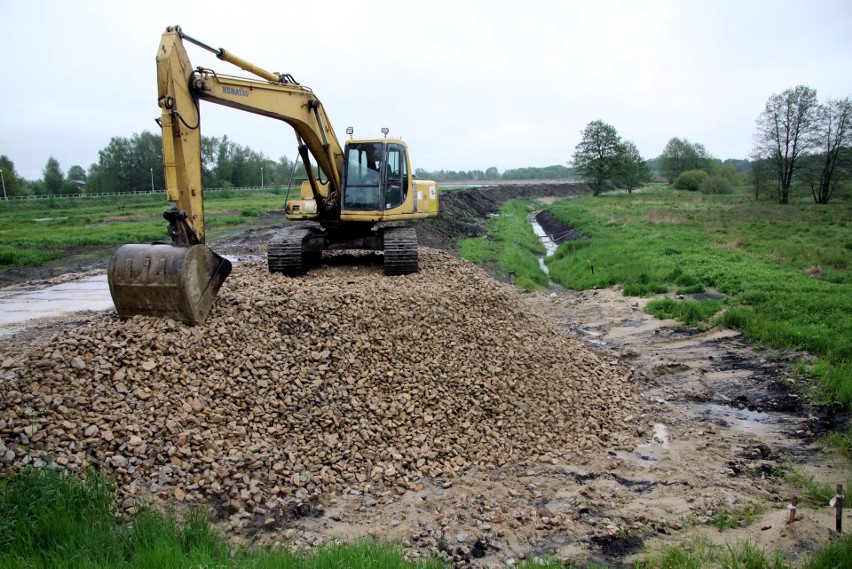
column 554, row 172
column 799, row 142
column 135, row 164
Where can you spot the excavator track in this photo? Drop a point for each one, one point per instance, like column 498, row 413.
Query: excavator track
column 286, row 254
column 400, row 251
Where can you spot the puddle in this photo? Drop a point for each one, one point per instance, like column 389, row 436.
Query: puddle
column 28, row 303
column 661, row 435
column 22, row 304
column 591, row 332
column 44, row 219
column 744, row 420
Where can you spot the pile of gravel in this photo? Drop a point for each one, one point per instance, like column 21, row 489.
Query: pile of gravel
column 341, row 380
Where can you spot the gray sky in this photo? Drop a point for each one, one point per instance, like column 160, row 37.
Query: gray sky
column 468, row 84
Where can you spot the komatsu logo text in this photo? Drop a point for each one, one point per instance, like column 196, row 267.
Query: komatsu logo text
column 232, row 91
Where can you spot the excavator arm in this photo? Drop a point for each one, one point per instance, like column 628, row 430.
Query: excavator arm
column 180, row 280
column 274, row 95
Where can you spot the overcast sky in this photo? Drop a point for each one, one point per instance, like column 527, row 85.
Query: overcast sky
column 468, row 84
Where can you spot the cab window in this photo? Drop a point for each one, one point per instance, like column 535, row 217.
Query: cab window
column 363, row 176
column 396, row 177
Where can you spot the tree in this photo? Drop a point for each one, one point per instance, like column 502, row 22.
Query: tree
column 11, row 182
column 783, row 133
column 760, row 176
column 127, row 165
column 834, row 120
column 680, row 155
column 75, row 180
column 633, row 170
column 690, row 180
column 54, row 178
column 598, row 155
column 715, row 184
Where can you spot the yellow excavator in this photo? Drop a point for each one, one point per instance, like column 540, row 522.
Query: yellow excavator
column 358, row 197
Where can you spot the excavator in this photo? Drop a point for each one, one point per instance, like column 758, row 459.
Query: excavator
column 361, row 196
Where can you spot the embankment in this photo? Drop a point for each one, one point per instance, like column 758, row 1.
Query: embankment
column 464, row 212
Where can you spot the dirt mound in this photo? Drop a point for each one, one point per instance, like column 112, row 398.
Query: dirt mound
column 558, row 232
column 464, row 212
column 342, row 380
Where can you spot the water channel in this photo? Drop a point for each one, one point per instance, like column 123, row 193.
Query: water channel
column 550, row 246
column 19, row 305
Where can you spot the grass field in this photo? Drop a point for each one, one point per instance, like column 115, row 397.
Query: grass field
column 35, row 232
column 784, row 269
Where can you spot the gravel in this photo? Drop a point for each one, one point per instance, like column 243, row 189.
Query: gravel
column 339, row 381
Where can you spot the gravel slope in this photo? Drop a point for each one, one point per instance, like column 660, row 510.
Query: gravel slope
column 298, row 388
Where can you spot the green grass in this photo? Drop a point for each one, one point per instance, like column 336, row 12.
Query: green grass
column 784, row 269
column 49, row 519
column 701, row 553
column 690, row 312
column 814, row 494
column 841, row 442
column 511, row 245
column 730, row 518
column 748, row 555
column 33, row 233
column 834, row 556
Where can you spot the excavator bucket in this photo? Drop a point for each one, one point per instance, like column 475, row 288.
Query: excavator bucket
column 163, row 280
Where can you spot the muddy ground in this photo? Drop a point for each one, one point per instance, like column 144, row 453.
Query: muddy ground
column 724, row 424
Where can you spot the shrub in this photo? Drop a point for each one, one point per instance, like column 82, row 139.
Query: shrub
column 715, row 185
column 690, row 180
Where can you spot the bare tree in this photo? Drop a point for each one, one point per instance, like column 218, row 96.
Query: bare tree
column 832, row 134
column 784, row 131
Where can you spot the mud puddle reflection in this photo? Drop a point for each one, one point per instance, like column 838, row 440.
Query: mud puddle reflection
column 21, row 304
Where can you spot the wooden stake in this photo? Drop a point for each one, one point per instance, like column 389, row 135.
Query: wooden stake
column 838, row 509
